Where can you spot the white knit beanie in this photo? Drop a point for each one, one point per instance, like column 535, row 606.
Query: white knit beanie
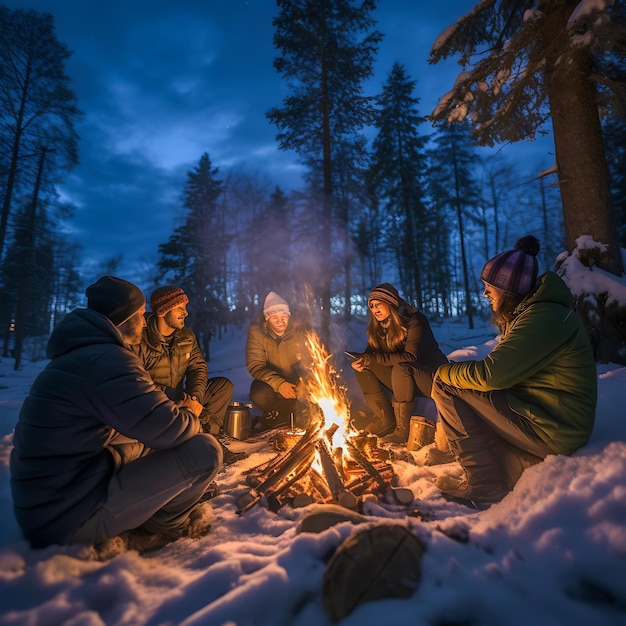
column 274, row 304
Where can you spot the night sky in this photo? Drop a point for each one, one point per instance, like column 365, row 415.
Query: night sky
column 161, row 82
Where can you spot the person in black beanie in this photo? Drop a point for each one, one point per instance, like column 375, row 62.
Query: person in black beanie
column 98, row 451
column 533, row 395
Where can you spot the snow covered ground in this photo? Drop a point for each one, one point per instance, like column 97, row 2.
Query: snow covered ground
column 552, row 552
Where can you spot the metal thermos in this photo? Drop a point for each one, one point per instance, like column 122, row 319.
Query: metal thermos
column 238, row 420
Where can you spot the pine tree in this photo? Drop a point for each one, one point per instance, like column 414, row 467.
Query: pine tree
column 544, row 60
column 455, row 193
column 194, row 257
column 327, row 49
column 268, row 250
column 398, row 166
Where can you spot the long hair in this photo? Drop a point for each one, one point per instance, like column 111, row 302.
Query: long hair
column 504, row 313
column 389, row 338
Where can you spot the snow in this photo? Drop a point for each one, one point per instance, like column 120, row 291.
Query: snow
column 587, row 8
column 582, row 281
column 443, row 37
column 552, row 552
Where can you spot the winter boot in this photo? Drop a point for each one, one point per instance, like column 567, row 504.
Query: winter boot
column 484, row 482
column 211, row 423
column 440, row 453
column 457, row 489
column 383, row 422
column 403, row 412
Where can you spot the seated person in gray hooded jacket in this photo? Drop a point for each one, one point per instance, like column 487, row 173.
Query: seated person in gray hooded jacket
column 98, row 449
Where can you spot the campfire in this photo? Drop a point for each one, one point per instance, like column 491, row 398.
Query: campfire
column 329, row 462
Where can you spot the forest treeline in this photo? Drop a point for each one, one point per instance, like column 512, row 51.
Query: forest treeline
column 389, row 194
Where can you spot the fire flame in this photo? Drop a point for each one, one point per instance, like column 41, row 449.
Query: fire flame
column 324, row 389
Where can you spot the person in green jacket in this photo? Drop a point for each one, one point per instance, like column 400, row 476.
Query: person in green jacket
column 533, row 395
column 277, row 358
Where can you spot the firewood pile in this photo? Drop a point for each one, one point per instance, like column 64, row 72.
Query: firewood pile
column 309, row 469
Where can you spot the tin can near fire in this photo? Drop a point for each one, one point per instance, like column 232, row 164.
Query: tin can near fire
column 421, row 432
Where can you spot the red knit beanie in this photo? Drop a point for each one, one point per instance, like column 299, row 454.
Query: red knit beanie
column 164, row 299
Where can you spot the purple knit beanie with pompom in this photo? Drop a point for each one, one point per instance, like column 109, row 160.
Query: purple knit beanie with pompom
column 514, row 271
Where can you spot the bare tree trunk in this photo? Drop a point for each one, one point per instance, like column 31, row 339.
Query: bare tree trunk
column 327, row 200
column 581, row 161
column 27, row 268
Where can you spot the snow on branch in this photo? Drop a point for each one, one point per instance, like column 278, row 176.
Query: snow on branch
column 588, row 8
column 443, row 38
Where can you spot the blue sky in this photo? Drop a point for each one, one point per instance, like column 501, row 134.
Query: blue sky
column 161, row 82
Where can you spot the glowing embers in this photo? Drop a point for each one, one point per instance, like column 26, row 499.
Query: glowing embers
column 329, row 462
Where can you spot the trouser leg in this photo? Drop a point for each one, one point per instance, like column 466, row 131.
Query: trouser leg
column 218, row 396
column 486, row 435
column 422, row 376
column 402, row 383
column 376, row 385
column 157, row 491
column 375, row 379
column 269, row 401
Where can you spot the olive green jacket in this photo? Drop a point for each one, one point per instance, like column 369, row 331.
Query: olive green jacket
column 175, row 363
column 545, row 363
column 273, row 359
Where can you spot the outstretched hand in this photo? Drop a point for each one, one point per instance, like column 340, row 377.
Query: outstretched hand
column 287, row 390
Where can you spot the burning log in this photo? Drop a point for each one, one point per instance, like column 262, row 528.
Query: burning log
column 337, row 488
column 366, row 465
column 401, row 494
column 283, row 470
column 347, row 471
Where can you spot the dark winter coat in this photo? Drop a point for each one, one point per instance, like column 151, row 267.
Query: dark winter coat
column 175, row 363
column 93, row 387
column 545, row 363
column 420, row 344
column 275, row 360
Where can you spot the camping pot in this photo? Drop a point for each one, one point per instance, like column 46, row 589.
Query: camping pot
column 238, row 420
column 421, row 433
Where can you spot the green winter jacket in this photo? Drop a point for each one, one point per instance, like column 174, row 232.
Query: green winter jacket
column 545, row 363
column 275, row 360
column 175, row 363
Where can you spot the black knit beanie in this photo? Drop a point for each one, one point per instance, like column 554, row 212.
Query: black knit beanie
column 385, row 292
column 514, row 271
column 115, row 297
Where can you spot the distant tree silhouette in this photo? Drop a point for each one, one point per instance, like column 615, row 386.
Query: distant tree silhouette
column 194, row 257
column 37, row 106
column 398, row 171
column 456, row 194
